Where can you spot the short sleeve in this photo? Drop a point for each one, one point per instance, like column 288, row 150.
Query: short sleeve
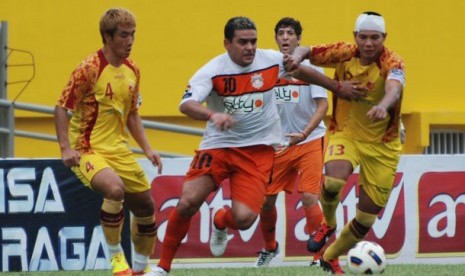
column 76, row 88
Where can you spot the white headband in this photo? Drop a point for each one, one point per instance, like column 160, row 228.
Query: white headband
column 370, row 22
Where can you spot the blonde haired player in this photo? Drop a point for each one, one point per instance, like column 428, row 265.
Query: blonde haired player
column 364, row 131
column 103, row 96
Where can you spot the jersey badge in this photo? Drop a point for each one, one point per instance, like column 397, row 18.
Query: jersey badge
column 187, row 92
column 257, row 81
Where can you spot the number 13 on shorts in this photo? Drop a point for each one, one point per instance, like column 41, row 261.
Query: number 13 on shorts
column 337, row 149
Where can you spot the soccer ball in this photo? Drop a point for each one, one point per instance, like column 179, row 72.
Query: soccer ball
column 366, row 257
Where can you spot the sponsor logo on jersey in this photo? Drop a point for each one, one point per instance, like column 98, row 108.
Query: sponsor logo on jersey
column 287, row 94
column 249, row 103
column 120, row 76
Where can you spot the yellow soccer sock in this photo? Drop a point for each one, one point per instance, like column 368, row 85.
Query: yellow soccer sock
column 352, row 233
column 342, row 244
column 329, row 198
column 111, row 219
column 144, row 234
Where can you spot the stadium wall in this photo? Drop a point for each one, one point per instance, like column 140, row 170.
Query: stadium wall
column 174, row 38
column 49, row 220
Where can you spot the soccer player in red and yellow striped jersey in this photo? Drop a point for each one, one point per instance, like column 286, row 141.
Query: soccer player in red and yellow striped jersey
column 364, row 130
column 103, row 96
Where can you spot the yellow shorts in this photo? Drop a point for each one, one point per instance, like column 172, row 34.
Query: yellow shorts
column 305, row 160
column 378, row 163
column 124, row 165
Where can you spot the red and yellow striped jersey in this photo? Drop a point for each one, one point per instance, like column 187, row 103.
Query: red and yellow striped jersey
column 350, row 116
column 101, row 96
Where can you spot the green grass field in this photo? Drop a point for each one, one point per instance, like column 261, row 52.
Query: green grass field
column 289, row 271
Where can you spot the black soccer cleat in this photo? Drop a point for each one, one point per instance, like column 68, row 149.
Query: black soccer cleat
column 332, row 266
column 319, row 237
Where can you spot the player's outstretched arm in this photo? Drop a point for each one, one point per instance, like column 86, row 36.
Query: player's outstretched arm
column 348, row 90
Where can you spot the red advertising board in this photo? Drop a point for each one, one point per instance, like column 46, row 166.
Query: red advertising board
column 441, row 199
column 389, row 230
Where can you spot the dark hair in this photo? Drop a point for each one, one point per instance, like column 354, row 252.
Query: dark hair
column 237, row 23
column 371, row 13
column 289, row 22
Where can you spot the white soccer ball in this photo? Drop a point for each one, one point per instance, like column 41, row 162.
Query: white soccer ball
column 366, row 257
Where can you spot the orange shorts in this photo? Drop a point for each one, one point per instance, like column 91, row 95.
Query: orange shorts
column 248, row 170
column 305, row 160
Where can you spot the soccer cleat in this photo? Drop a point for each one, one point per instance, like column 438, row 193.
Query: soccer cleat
column 316, row 259
column 157, row 271
column 319, row 237
column 218, row 238
column 265, row 256
column 119, row 265
column 332, row 266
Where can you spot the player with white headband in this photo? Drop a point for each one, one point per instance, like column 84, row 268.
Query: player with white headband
column 364, row 131
column 370, row 22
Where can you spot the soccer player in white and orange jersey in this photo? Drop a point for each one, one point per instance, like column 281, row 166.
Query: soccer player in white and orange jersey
column 302, row 108
column 103, row 96
column 242, row 129
column 364, row 131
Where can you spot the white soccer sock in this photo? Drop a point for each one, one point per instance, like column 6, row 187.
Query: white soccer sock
column 114, row 249
column 140, row 262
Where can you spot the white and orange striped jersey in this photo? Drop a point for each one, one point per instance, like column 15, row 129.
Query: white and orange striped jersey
column 296, row 105
column 244, row 92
